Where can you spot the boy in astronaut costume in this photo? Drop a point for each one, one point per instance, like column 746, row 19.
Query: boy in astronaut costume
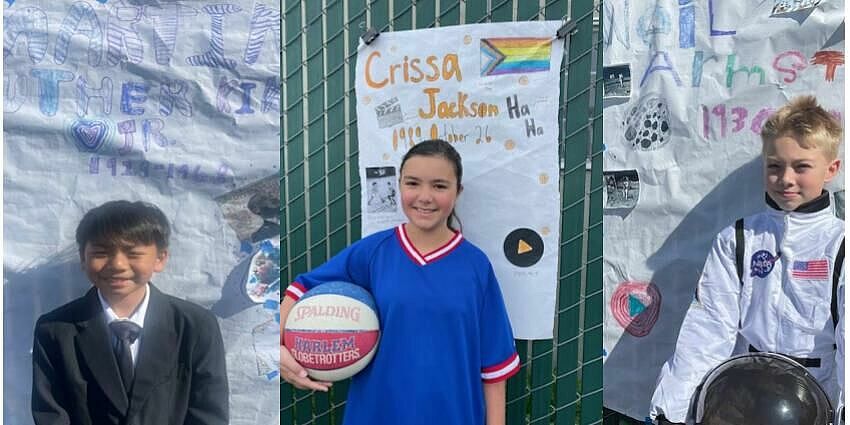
column 771, row 292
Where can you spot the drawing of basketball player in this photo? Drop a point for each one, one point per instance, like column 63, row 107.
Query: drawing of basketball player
column 391, row 193
column 373, row 193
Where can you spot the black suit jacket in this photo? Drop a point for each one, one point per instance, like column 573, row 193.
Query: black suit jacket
column 180, row 375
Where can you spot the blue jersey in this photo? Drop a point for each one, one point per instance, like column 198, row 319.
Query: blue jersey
column 444, row 330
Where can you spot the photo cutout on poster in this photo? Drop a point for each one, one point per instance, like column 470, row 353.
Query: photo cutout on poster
column 784, row 7
column 798, row 10
column 622, row 189
column 382, row 190
column 253, row 211
column 616, row 84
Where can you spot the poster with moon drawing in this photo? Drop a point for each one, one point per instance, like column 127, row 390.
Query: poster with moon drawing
column 688, row 85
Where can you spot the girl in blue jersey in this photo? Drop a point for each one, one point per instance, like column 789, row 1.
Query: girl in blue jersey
column 446, row 344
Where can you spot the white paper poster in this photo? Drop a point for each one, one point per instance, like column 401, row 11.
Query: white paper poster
column 687, row 86
column 174, row 103
column 491, row 90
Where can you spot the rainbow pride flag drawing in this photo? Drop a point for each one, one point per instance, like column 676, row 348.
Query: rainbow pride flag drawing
column 519, row 55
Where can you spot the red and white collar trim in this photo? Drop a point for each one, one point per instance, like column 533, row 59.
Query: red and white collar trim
column 432, row 256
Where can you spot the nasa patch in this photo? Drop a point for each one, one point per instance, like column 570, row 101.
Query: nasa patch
column 761, row 264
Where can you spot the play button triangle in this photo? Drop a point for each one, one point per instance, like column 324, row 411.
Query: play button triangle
column 635, row 306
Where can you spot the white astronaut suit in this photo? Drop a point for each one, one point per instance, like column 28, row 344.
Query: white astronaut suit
column 782, row 304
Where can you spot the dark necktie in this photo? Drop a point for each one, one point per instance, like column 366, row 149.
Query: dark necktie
column 127, row 332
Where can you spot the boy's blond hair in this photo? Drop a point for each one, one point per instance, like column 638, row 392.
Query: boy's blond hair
column 808, row 123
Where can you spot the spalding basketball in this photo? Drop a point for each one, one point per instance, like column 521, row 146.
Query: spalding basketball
column 333, row 331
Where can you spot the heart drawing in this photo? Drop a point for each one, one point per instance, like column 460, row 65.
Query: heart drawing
column 635, row 306
column 90, row 134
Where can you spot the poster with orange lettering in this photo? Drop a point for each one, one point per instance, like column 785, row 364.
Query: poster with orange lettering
column 492, row 91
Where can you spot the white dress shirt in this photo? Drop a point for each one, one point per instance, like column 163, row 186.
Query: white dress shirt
column 138, row 317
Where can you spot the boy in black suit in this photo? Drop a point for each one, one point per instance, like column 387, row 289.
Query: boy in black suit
column 126, row 353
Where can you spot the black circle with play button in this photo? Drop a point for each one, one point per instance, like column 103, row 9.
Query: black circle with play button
column 523, row 247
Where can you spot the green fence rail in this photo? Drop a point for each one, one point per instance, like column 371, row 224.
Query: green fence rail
column 560, row 381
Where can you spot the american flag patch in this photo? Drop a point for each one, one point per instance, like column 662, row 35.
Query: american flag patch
column 813, row 269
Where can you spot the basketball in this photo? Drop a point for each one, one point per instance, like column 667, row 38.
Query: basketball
column 333, row 331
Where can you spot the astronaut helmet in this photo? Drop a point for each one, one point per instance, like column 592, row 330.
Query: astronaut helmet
column 760, row 389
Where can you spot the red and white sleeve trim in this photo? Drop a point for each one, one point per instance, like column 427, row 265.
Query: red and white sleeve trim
column 501, row 371
column 295, row 291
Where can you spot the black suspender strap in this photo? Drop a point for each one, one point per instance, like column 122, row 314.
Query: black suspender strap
column 739, row 257
column 836, row 272
column 739, row 249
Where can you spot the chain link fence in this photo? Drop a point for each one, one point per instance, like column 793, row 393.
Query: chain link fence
column 560, row 381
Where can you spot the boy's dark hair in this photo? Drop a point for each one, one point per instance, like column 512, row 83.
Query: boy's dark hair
column 117, row 222
column 439, row 148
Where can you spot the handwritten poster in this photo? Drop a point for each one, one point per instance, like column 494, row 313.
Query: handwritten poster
column 174, row 103
column 687, row 86
column 491, row 90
